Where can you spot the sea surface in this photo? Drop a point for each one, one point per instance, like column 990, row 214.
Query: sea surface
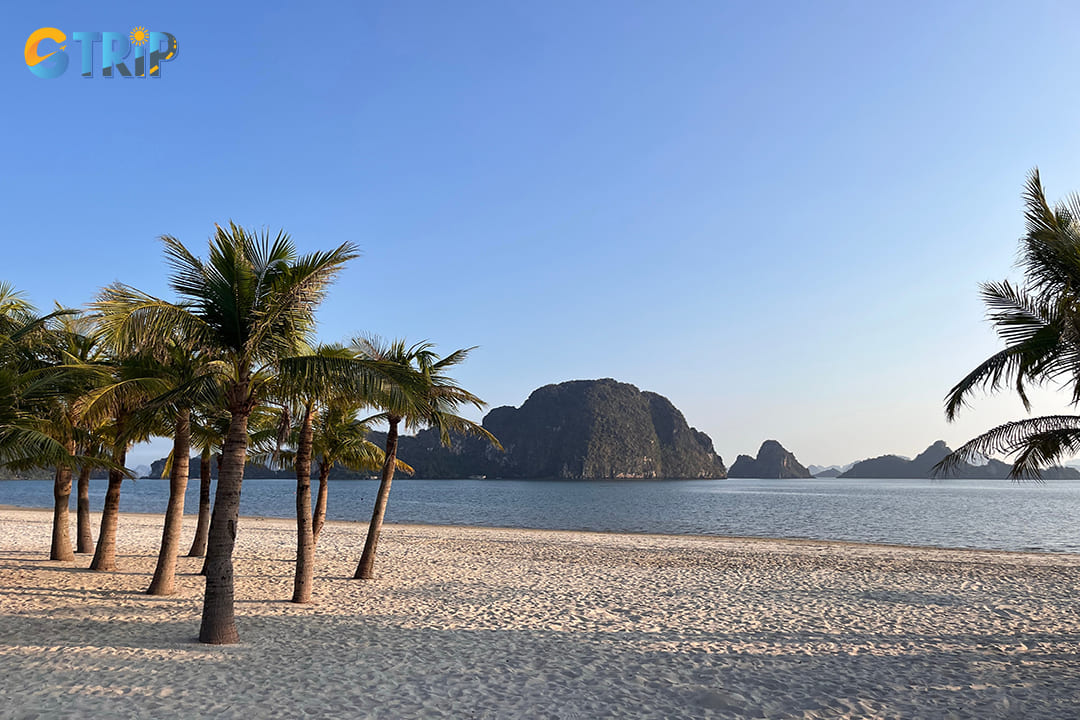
column 989, row 514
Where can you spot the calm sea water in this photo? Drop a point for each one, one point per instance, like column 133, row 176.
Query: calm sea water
column 991, row 514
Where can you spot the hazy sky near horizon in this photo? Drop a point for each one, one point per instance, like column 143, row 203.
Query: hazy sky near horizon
column 776, row 214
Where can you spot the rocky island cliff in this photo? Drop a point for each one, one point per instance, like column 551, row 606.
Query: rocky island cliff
column 772, row 461
column 574, row 430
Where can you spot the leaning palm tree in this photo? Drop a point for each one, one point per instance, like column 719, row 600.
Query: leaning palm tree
column 426, row 397
column 249, row 303
column 117, row 408
column 191, row 376
column 1039, row 323
column 164, row 579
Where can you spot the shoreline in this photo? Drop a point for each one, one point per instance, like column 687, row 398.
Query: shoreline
column 362, row 524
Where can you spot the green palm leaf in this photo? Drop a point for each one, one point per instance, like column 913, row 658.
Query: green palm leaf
column 1039, row 323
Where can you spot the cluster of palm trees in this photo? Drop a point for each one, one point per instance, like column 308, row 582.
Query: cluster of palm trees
column 229, row 369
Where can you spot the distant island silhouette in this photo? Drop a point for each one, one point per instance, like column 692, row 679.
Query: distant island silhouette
column 894, row 466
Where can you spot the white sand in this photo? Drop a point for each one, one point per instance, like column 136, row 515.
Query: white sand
column 477, row 623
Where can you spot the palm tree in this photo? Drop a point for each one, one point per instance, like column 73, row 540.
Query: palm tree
column 118, row 408
column 426, row 397
column 57, row 418
column 250, row 303
column 192, row 377
column 340, row 438
column 105, row 551
column 29, row 347
column 208, row 428
column 164, row 580
column 38, row 388
column 1039, row 323
column 61, row 424
column 91, row 446
column 304, row 575
column 302, row 393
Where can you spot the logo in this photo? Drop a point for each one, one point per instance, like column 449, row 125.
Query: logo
column 46, row 58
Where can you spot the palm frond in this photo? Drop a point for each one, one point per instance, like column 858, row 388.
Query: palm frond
column 1036, row 442
column 13, row 302
column 130, row 320
column 23, row 447
column 292, row 292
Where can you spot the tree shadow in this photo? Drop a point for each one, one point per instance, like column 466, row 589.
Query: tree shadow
column 362, row 666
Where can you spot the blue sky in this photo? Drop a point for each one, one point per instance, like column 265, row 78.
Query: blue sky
column 774, row 213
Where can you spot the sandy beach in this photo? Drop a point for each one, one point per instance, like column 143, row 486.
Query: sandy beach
column 484, row 623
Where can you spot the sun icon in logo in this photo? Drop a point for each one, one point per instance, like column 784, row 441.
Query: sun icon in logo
column 139, row 36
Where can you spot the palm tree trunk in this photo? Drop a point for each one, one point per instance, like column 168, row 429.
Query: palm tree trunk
column 218, row 617
column 105, row 554
column 198, row 545
column 305, row 540
column 217, row 459
column 366, row 569
column 85, row 542
column 61, row 532
column 165, row 573
column 319, row 517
